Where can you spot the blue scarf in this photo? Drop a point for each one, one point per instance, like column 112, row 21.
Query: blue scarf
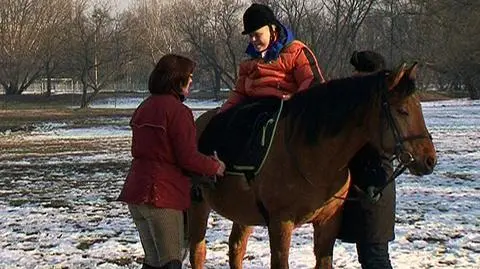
column 285, row 38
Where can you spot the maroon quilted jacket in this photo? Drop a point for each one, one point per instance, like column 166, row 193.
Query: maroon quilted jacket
column 164, row 148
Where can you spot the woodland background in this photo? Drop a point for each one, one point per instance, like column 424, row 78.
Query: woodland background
column 99, row 47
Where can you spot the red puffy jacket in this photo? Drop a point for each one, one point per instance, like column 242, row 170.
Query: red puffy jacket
column 164, row 147
column 294, row 70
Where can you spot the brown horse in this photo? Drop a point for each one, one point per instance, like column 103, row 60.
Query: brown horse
column 305, row 176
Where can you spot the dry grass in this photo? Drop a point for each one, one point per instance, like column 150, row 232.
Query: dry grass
column 36, row 114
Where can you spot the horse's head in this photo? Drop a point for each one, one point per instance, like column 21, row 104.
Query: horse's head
column 405, row 134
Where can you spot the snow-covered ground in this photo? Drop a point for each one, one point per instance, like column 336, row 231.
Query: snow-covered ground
column 58, row 184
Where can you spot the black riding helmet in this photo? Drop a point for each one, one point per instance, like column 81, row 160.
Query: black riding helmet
column 257, row 16
column 367, row 61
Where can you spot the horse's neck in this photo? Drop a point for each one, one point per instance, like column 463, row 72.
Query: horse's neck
column 341, row 148
column 336, row 151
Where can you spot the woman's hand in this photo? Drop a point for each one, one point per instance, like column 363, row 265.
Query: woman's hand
column 286, row 97
column 221, row 168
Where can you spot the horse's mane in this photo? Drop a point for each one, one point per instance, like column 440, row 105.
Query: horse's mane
column 326, row 108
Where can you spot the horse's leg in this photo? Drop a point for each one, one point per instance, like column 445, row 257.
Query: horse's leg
column 280, row 234
column 237, row 244
column 325, row 234
column 198, row 217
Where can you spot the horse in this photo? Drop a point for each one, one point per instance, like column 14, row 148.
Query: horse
column 305, row 178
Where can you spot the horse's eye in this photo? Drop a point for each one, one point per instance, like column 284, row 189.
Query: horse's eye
column 402, row 111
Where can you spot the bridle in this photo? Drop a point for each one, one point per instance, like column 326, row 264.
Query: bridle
column 404, row 157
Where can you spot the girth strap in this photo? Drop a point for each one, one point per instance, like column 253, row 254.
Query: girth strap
column 263, row 211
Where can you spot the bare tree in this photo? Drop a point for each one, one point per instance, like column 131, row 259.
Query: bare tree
column 40, row 39
column 98, row 54
column 156, row 29
column 131, row 43
column 212, row 28
column 150, row 35
column 25, row 27
column 54, row 46
column 455, row 43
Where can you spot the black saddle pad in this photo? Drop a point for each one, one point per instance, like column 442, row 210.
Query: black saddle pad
column 241, row 135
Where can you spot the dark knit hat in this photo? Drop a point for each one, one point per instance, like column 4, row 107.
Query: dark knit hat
column 367, row 61
column 257, row 16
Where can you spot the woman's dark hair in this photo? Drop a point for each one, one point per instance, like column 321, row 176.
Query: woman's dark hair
column 170, row 74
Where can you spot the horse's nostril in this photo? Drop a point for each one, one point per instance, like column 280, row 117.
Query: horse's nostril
column 430, row 162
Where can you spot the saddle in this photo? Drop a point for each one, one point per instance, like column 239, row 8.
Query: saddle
column 241, row 136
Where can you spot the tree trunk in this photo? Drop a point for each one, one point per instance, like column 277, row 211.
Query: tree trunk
column 87, row 99
column 83, row 102
column 48, row 74
column 218, row 83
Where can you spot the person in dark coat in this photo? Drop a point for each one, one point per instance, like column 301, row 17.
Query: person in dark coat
column 164, row 148
column 369, row 224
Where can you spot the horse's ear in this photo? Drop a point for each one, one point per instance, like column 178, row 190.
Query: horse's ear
column 397, row 76
column 412, row 71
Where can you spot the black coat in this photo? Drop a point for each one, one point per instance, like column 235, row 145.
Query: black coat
column 364, row 221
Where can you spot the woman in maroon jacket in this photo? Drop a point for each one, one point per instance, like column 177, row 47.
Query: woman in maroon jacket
column 157, row 190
